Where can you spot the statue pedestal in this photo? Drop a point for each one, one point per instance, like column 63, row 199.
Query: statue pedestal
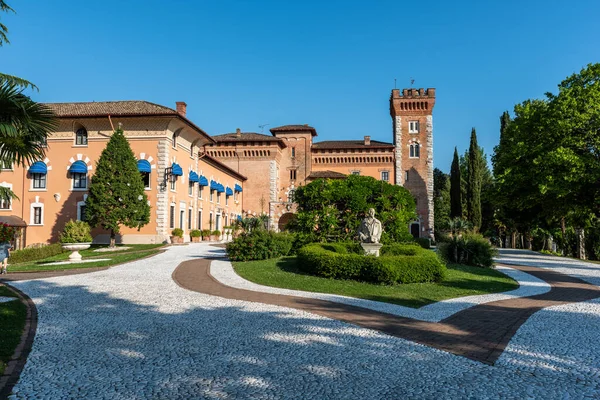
column 371, row 249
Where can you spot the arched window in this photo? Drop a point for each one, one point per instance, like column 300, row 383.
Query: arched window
column 81, row 137
column 415, row 150
column 175, row 139
column 291, row 195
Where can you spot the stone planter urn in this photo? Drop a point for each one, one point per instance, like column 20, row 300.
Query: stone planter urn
column 195, row 239
column 75, row 248
column 176, row 240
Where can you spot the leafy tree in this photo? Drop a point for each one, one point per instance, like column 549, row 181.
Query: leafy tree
column 333, row 209
column 455, row 188
column 441, row 199
column 474, row 183
column 117, row 195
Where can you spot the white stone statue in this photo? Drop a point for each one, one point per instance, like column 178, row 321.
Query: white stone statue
column 370, row 229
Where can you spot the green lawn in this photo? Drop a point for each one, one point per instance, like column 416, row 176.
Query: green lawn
column 461, row 281
column 12, row 322
column 117, row 257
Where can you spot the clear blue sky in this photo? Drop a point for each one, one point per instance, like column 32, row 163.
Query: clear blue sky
column 330, row 64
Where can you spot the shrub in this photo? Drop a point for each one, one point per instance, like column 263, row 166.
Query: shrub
column 177, row 232
column 470, row 249
column 7, row 232
column 259, row 245
column 216, row 233
column 195, row 233
column 205, row 232
column 34, row 254
column 397, row 264
column 76, row 232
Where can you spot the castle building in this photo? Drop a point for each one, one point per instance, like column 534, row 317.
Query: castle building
column 197, row 181
column 277, row 164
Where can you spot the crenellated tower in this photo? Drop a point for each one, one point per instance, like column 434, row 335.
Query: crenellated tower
column 412, row 115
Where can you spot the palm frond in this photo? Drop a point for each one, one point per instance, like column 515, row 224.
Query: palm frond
column 24, row 126
column 6, row 194
column 14, row 80
column 3, row 29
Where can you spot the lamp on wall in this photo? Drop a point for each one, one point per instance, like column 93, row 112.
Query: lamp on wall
column 57, row 197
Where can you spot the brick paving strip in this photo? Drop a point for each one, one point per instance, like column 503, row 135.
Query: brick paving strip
column 15, row 366
column 479, row 333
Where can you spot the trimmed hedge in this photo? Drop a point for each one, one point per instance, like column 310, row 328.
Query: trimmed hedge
column 259, row 245
column 35, row 253
column 397, row 263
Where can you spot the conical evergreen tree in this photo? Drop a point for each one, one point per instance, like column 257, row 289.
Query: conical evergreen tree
column 474, row 183
column 117, row 194
column 455, row 192
column 504, row 121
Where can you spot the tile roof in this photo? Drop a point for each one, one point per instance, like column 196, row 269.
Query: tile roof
column 350, row 144
column 294, row 128
column 325, row 175
column 112, row 108
column 248, row 137
column 129, row 108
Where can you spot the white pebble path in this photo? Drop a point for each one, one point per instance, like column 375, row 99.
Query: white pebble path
column 131, row 333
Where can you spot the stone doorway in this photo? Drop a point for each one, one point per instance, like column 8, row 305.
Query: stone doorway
column 284, row 220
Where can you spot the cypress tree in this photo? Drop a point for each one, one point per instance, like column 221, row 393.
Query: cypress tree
column 504, row 121
column 455, row 194
column 117, row 194
column 474, row 183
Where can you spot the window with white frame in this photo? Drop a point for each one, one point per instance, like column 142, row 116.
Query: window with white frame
column 413, row 126
column 191, row 188
column 173, row 180
column 226, row 200
column 385, row 176
column 199, row 220
column 37, row 215
column 406, row 176
column 355, row 172
column 291, row 195
column 79, row 180
column 172, row 216
column 82, row 212
column 6, row 165
column 175, row 135
column 200, row 187
column 5, row 204
column 415, row 150
column 218, row 197
column 212, row 194
column 81, row 137
column 190, row 215
column 39, row 181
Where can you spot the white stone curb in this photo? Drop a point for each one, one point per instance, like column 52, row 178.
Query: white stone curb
column 528, row 286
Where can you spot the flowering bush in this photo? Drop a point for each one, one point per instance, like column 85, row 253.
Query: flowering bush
column 7, row 233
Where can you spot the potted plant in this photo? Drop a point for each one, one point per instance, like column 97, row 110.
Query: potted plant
column 195, row 235
column 177, row 235
column 215, row 235
column 205, row 234
column 76, row 236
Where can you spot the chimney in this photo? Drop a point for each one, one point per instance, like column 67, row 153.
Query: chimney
column 367, row 140
column 181, row 107
column 238, row 132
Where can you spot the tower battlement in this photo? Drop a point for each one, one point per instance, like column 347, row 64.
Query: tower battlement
column 412, row 101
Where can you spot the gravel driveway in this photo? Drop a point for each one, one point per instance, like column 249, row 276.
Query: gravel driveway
column 131, row 333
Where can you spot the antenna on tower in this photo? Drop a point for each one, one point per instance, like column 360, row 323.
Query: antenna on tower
column 412, row 81
column 262, row 127
column 395, row 86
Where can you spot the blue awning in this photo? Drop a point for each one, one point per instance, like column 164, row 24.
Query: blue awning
column 38, row 167
column 144, row 166
column 228, row 191
column 239, row 218
column 214, row 185
column 237, row 188
column 203, row 181
column 194, row 177
column 78, row 167
column 221, row 188
column 176, row 170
